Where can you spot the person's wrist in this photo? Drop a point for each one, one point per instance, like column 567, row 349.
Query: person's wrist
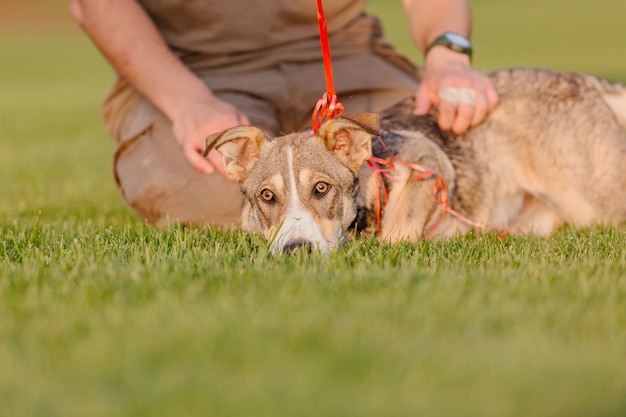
column 454, row 42
column 186, row 103
column 440, row 55
column 179, row 99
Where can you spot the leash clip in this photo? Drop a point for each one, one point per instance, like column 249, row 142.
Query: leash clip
column 327, row 107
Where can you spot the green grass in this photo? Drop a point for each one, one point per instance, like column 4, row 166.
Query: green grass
column 128, row 320
column 101, row 315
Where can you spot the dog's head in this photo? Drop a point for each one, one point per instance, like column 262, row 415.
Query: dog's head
column 301, row 188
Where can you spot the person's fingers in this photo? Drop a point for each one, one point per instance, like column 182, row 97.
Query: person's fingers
column 217, row 161
column 197, row 160
column 191, row 134
column 447, row 113
column 481, row 109
column 210, row 164
column 463, row 107
column 423, row 102
column 463, row 119
column 492, row 97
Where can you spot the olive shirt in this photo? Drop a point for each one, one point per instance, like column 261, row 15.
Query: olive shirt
column 265, row 58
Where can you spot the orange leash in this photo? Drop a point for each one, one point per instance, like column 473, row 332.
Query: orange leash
column 381, row 168
column 328, row 106
column 424, row 173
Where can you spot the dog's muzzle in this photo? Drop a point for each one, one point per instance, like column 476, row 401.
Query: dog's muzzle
column 297, row 244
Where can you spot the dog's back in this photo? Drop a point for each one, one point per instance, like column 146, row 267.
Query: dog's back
column 614, row 94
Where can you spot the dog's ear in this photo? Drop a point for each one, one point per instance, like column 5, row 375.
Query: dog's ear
column 350, row 138
column 240, row 147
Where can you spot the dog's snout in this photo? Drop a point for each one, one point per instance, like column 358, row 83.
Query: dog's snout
column 297, row 244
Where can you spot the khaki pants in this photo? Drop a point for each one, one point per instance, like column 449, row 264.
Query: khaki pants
column 151, row 171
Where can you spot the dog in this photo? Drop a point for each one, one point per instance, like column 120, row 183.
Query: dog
column 552, row 152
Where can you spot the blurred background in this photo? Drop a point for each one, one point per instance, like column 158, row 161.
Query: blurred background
column 580, row 35
column 55, row 156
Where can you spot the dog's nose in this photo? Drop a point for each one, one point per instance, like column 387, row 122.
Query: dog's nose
column 297, row 244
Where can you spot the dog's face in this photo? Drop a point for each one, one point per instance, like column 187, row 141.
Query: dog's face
column 300, row 189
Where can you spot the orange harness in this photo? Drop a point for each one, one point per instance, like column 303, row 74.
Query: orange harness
column 382, row 168
column 329, row 107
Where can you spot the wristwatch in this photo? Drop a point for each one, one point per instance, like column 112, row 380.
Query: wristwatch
column 453, row 41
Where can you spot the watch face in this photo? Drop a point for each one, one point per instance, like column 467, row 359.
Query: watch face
column 459, row 40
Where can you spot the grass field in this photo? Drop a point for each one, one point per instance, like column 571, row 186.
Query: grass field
column 101, row 315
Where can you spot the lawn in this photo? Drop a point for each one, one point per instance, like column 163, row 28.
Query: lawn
column 101, row 315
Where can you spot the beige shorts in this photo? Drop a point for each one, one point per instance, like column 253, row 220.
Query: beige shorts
column 151, row 171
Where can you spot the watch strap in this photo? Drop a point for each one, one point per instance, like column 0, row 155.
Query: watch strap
column 447, row 40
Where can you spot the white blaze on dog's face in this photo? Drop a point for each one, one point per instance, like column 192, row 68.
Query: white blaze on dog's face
column 300, row 194
column 302, row 187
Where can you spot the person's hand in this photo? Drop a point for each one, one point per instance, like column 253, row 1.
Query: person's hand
column 198, row 118
column 464, row 96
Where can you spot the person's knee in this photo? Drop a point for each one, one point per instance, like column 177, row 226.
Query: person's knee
column 162, row 191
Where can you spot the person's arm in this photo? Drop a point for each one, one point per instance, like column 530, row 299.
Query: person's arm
column 129, row 40
column 444, row 68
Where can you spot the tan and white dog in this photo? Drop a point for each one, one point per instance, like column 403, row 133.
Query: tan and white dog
column 552, row 152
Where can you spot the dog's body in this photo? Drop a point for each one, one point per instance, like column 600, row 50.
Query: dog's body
column 552, row 152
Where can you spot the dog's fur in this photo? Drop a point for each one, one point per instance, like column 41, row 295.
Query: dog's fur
column 552, row 152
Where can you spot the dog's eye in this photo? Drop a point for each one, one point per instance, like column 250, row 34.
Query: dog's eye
column 322, row 188
column 267, row 195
